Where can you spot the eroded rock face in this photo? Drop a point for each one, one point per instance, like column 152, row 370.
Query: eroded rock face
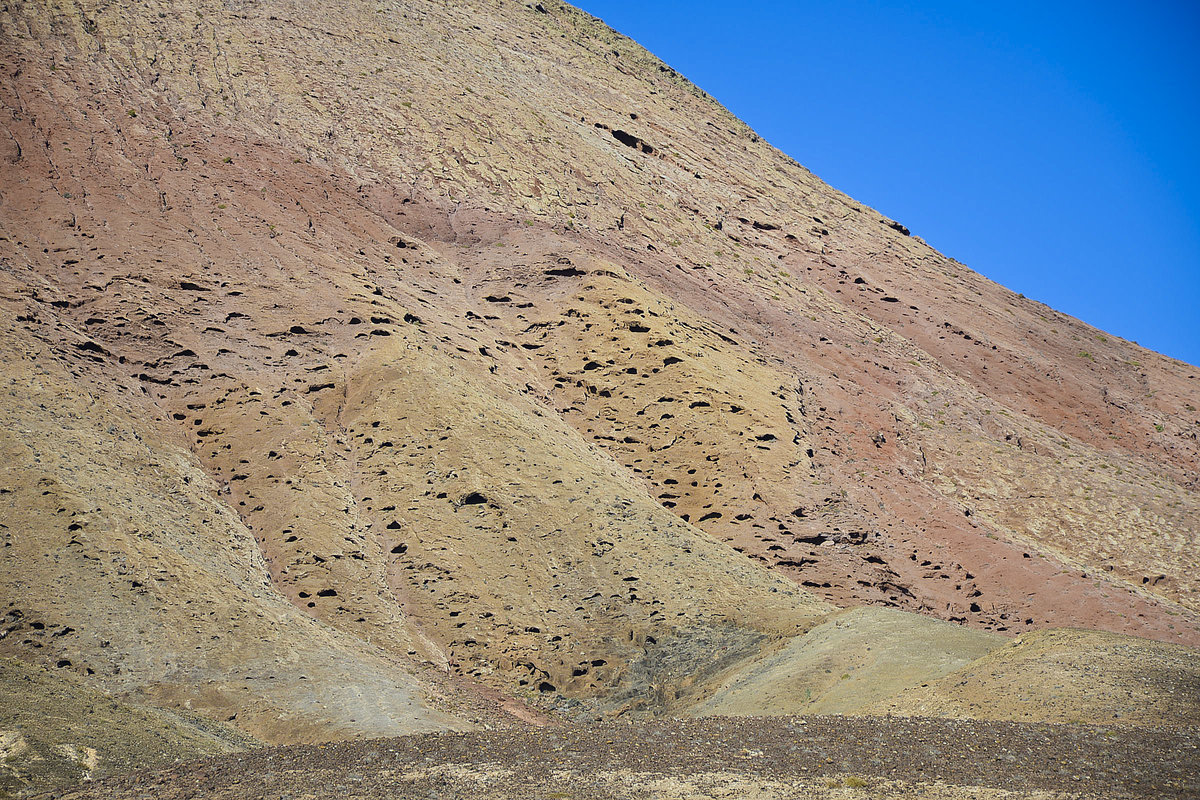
column 488, row 376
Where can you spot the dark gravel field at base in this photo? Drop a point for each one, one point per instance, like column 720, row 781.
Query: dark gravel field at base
column 750, row 757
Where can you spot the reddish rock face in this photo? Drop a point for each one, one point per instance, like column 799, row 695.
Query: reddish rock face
column 479, row 346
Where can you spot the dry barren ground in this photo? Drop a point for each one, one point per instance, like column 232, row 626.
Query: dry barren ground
column 372, row 369
column 782, row 757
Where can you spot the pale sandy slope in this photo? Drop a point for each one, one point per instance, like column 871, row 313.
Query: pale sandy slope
column 848, row 663
column 56, row 730
column 1066, row 676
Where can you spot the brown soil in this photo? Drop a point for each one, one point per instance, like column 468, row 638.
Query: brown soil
column 56, row 730
column 745, row 757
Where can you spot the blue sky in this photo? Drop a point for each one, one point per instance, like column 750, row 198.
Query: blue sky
column 1053, row 146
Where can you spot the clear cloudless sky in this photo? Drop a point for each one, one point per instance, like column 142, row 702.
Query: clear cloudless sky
column 1052, row 146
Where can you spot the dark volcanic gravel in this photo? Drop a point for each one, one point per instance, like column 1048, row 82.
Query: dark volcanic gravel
column 524, row 763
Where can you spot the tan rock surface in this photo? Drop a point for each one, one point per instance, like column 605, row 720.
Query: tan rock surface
column 849, row 664
column 1071, row 676
column 122, row 565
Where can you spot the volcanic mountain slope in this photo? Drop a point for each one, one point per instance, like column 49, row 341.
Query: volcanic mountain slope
column 470, row 351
